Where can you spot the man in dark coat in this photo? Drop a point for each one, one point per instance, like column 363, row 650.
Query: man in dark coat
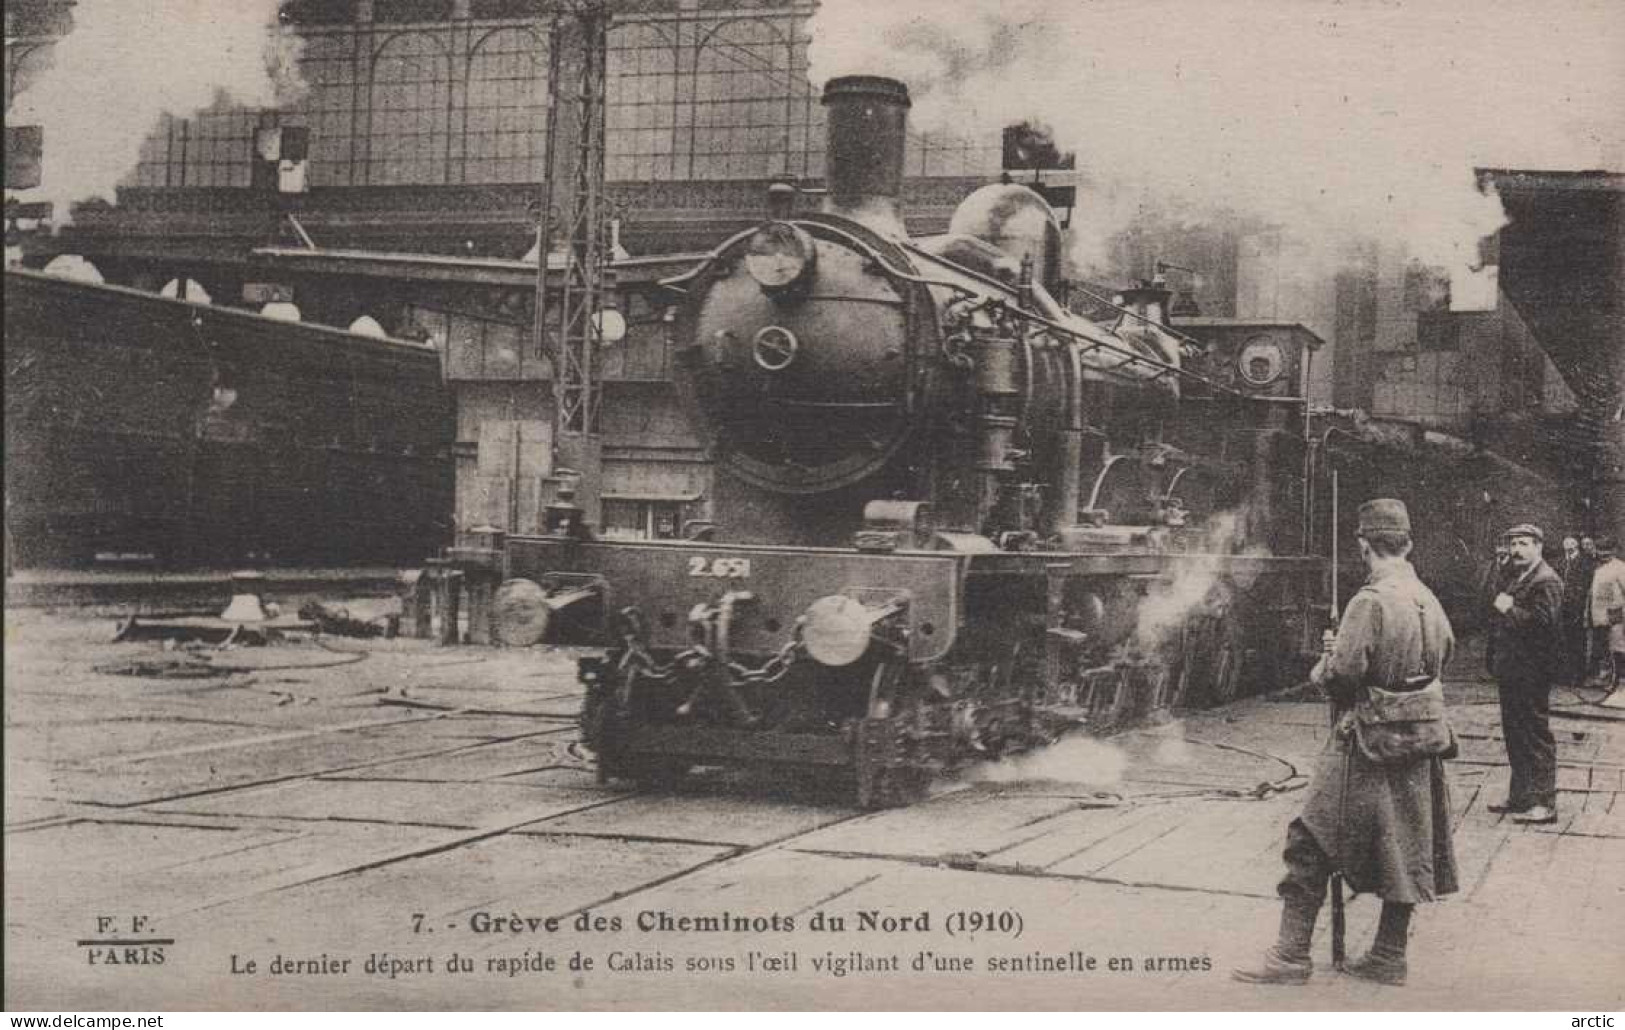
column 1385, row 827
column 1575, row 569
column 1526, row 637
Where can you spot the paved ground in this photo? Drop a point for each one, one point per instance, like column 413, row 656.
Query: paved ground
column 407, row 804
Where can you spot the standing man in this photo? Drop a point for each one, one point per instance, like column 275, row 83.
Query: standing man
column 1596, row 639
column 1575, row 569
column 1385, row 827
column 1525, row 635
column 1607, row 612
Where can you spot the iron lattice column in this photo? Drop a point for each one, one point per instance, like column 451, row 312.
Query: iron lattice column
column 570, row 293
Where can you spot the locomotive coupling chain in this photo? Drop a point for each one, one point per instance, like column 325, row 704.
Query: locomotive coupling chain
column 639, row 661
column 774, row 669
column 636, row 659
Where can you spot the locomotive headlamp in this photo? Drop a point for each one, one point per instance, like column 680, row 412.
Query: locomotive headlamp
column 780, row 257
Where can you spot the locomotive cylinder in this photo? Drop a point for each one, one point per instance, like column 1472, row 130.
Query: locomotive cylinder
column 868, row 125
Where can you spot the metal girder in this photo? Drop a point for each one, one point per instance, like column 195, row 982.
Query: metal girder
column 565, row 309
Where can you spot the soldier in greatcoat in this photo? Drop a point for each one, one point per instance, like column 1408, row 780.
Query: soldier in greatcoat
column 1386, row 828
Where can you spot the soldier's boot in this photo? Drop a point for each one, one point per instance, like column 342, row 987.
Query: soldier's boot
column 1385, row 962
column 1287, row 961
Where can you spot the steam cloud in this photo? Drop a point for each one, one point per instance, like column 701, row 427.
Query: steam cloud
column 1363, row 117
column 125, row 63
column 1091, row 761
column 1173, row 749
column 1193, row 585
column 1077, row 759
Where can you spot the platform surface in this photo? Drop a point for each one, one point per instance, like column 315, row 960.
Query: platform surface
column 394, row 800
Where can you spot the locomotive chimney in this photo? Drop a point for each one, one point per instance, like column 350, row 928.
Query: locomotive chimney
column 868, row 123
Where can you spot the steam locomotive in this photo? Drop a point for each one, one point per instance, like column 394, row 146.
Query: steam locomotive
column 951, row 519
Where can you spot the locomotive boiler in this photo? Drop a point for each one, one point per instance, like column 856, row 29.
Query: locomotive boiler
column 951, row 519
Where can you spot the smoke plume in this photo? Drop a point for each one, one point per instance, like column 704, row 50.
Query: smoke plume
column 125, row 63
column 1324, row 118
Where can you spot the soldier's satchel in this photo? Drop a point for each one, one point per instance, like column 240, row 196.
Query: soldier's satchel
column 1398, row 727
column 1407, row 723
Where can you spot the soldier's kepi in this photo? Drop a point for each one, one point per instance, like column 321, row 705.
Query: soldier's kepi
column 1384, row 828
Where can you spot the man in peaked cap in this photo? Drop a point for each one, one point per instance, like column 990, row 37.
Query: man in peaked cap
column 1386, row 828
column 1526, row 627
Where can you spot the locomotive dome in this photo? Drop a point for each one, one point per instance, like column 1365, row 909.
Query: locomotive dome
column 1018, row 221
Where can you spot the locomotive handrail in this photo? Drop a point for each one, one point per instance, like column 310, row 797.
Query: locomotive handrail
column 969, row 273
column 678, row 284
column 909, row 277
column 1129, row 356
column 992, row 281
column 1130, row 312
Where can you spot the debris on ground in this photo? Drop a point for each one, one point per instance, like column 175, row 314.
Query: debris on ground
column 336, row 620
